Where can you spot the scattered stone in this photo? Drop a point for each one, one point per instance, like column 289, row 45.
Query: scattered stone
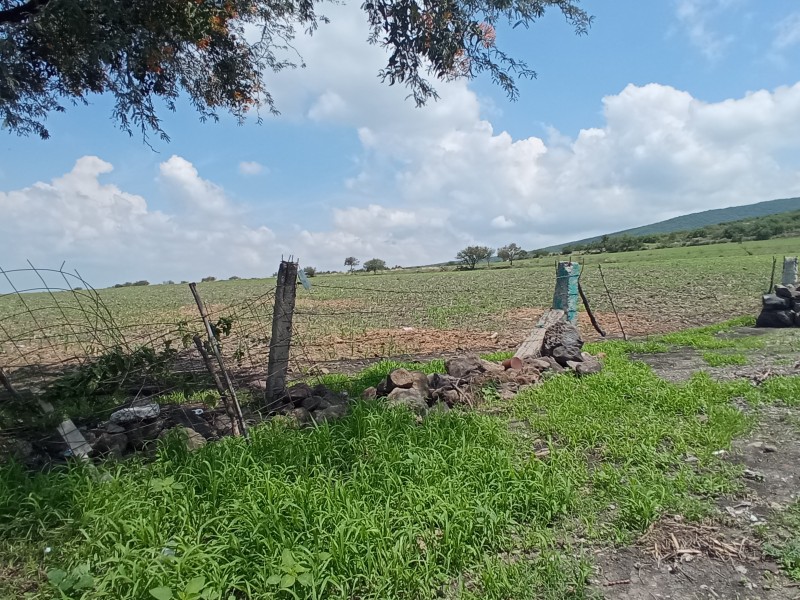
column 133, row 414
column 691, row 459
column 720, row 453
column 370, row 393
column 589, row 366
column 113, row 428
column 783, row 291
column 752, row 475
column 411, row 399
column 769, row 448
column 420, row 383
column 332, row 413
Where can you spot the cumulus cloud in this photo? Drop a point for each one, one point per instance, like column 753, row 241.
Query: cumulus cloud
column 250, row 167
column 429, row 182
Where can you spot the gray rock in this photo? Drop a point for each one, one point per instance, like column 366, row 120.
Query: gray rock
column 223, row 424
column 783, row 291
column 113, row 428
column 190, row 437
column 111, row 443
column 772, row 302
column 420, row 383
column 775, row 318
column 753, row 475
column 370, row 393
column 469, row 366
column 590, row 365
column 297, row 393
column 411, row 399
column 332, row 413
column 142, row 433
column 564, row 354
column 311, row 403
column 17, row 448
column 539, row 364
column 439, row 408
column 564, row 334
column 301, row 416
column 133, row 414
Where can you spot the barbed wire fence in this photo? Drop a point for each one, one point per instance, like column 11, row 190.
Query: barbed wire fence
column 63, row 342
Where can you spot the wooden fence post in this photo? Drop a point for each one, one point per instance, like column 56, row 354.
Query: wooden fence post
column 281, row 340
column 566, row 295
column 789, row 276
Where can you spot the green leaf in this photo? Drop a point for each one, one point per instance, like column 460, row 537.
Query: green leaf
column 305, row 579
column 85, row 582
column 298, row 568
column 274, row 579
column 323, row 556
column 195, row 585
column 287, row 560
column 178, row 486
column 161, row 593
column 287, row 581
column 56, row 576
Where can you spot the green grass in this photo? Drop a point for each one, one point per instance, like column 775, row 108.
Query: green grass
column 719, row 359
column 782, row 541
column 380, row 505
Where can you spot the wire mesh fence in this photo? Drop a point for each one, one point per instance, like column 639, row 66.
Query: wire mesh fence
column 91, row 351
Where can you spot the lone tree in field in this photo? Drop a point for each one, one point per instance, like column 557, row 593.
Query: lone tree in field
column 352, row 262
column 509, row 253
column 375, row 265
column 310, row 271
column 219, row 54
column 472, row 255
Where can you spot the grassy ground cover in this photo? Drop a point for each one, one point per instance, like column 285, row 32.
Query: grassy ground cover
column 500, row 503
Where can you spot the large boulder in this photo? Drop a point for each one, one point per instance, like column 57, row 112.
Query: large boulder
column 563, row 334
column 775, row 318
column 772, row 302
column 299, row 392
column 784, row 291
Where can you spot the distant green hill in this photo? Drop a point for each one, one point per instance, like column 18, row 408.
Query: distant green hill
column 701, row 219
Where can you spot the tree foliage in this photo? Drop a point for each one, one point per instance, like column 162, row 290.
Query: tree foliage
column 310, row 271
column 510, row 253
column 352, row 262
column 472, row 255
column 218, row 52
column 374, row 265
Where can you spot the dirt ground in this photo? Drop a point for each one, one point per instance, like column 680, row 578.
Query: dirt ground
column 723, row 558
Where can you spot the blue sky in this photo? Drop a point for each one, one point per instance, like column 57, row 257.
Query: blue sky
column 664, row 108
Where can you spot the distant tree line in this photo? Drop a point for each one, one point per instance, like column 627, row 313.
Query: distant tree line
column 758, row 228
column 131, row 284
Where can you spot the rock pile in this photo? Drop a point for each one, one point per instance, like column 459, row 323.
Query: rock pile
column 465, row 375
column 781, row 309
column 305, row 404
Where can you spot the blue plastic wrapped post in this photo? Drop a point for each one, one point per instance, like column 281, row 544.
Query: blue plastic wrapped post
column 566, row 295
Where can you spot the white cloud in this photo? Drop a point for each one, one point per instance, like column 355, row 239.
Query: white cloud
column 697, row 18
column 787, row 32
column 250, row 167
column 500, row 222
column 429, row 182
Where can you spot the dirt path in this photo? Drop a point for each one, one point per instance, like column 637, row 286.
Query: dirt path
column 725, row 557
